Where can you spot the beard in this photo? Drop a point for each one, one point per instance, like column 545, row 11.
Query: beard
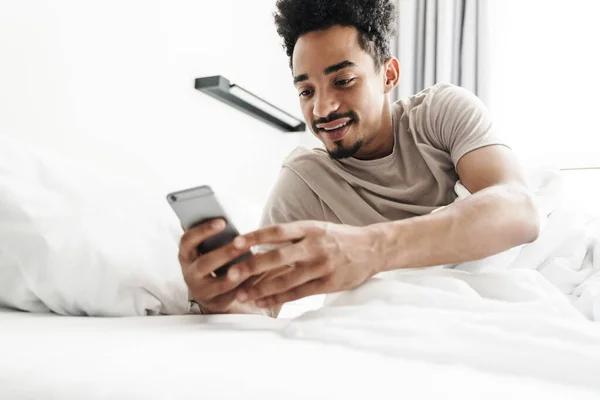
column 342, row 151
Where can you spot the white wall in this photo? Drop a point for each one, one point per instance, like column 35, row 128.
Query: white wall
column 545, row 85
column 112, row 83
column 546, row 79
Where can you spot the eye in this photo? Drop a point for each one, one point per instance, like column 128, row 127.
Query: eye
column 344, row 82
column 306, row 93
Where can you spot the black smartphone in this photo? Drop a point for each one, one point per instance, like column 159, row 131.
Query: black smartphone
column 197, row 205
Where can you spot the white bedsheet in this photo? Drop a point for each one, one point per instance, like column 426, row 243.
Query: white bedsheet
column 227, row 357
column 528, row 311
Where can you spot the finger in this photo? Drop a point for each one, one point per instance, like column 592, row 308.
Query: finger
column 296, row 276
column 310, row 288
column 206, row 288
column 193, row 237
column 268, row 261
column 196, row 284
column 263, row 249
column 268, row 275
column 280, row 233
column 258, row 278
column 253, row 280
column 208, row 263
column 221, row 303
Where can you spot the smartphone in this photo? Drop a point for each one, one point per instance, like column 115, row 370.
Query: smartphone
column 197, row 205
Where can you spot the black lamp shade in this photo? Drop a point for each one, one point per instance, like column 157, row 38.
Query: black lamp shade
column 220, row 88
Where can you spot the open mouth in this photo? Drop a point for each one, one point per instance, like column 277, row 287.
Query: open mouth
column 336, row 132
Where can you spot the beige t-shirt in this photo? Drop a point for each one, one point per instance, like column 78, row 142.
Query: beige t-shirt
column 433, row 130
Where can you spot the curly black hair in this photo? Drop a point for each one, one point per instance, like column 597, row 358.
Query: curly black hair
column 375, row 21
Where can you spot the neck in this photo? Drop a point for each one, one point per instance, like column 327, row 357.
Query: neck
column 382, row 142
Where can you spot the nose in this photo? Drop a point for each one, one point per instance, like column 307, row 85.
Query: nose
column 324, row 104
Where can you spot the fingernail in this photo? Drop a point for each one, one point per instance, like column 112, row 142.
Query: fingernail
column 218, row 224
column 233, row 274
column 261, row 303
column 242, row 296
column 239, row 242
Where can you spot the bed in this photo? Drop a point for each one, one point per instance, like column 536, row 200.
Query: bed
column 106, row 313
column 226, row 357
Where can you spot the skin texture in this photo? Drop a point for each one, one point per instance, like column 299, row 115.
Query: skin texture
column 321, row 257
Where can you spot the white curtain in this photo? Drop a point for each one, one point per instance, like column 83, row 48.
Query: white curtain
column 442, row 41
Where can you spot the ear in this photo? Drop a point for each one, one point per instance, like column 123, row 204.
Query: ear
column 391, row 74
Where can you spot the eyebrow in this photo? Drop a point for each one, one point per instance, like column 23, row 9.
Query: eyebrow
column 329, row 70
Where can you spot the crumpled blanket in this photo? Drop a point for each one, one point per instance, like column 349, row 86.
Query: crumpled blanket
column 528, row 310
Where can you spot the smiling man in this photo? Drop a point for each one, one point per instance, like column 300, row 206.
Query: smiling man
column 362, row 205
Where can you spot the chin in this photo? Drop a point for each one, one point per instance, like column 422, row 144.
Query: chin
column 343, row 150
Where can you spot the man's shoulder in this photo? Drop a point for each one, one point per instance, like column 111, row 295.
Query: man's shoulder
column 293, row 198
column 302, row 155
column 310, row 163
column 294, row 169
column 428, row 94
column 440, row 100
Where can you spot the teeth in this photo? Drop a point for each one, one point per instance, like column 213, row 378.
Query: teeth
column 336, row 127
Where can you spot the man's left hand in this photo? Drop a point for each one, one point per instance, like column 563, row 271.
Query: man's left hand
column 322, row 258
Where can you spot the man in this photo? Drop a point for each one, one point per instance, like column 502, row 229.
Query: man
column 363, row 205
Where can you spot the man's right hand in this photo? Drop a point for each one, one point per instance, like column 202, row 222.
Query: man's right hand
column 214, row 295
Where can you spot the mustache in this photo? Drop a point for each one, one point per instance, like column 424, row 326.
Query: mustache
column 332, row 117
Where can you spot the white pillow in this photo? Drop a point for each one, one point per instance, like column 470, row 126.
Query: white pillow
column 74, row 241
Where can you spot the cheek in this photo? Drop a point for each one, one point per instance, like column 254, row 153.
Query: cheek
column 306, row 109
column 306, row 112
column 370, row 106
column 359, row 101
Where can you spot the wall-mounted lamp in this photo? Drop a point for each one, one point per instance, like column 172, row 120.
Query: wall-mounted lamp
column 220, row 88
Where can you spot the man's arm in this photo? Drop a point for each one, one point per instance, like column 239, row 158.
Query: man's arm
column 500, row 214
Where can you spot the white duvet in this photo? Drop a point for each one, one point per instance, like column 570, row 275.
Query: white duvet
column 527, row 311
column 226, row 357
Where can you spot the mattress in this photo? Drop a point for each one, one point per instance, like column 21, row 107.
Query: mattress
column 46, row 356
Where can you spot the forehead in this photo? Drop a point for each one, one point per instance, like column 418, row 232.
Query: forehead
column 317, row 50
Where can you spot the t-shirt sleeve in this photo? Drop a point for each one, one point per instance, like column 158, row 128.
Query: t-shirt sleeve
column 291, row 199
column 458, row 121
